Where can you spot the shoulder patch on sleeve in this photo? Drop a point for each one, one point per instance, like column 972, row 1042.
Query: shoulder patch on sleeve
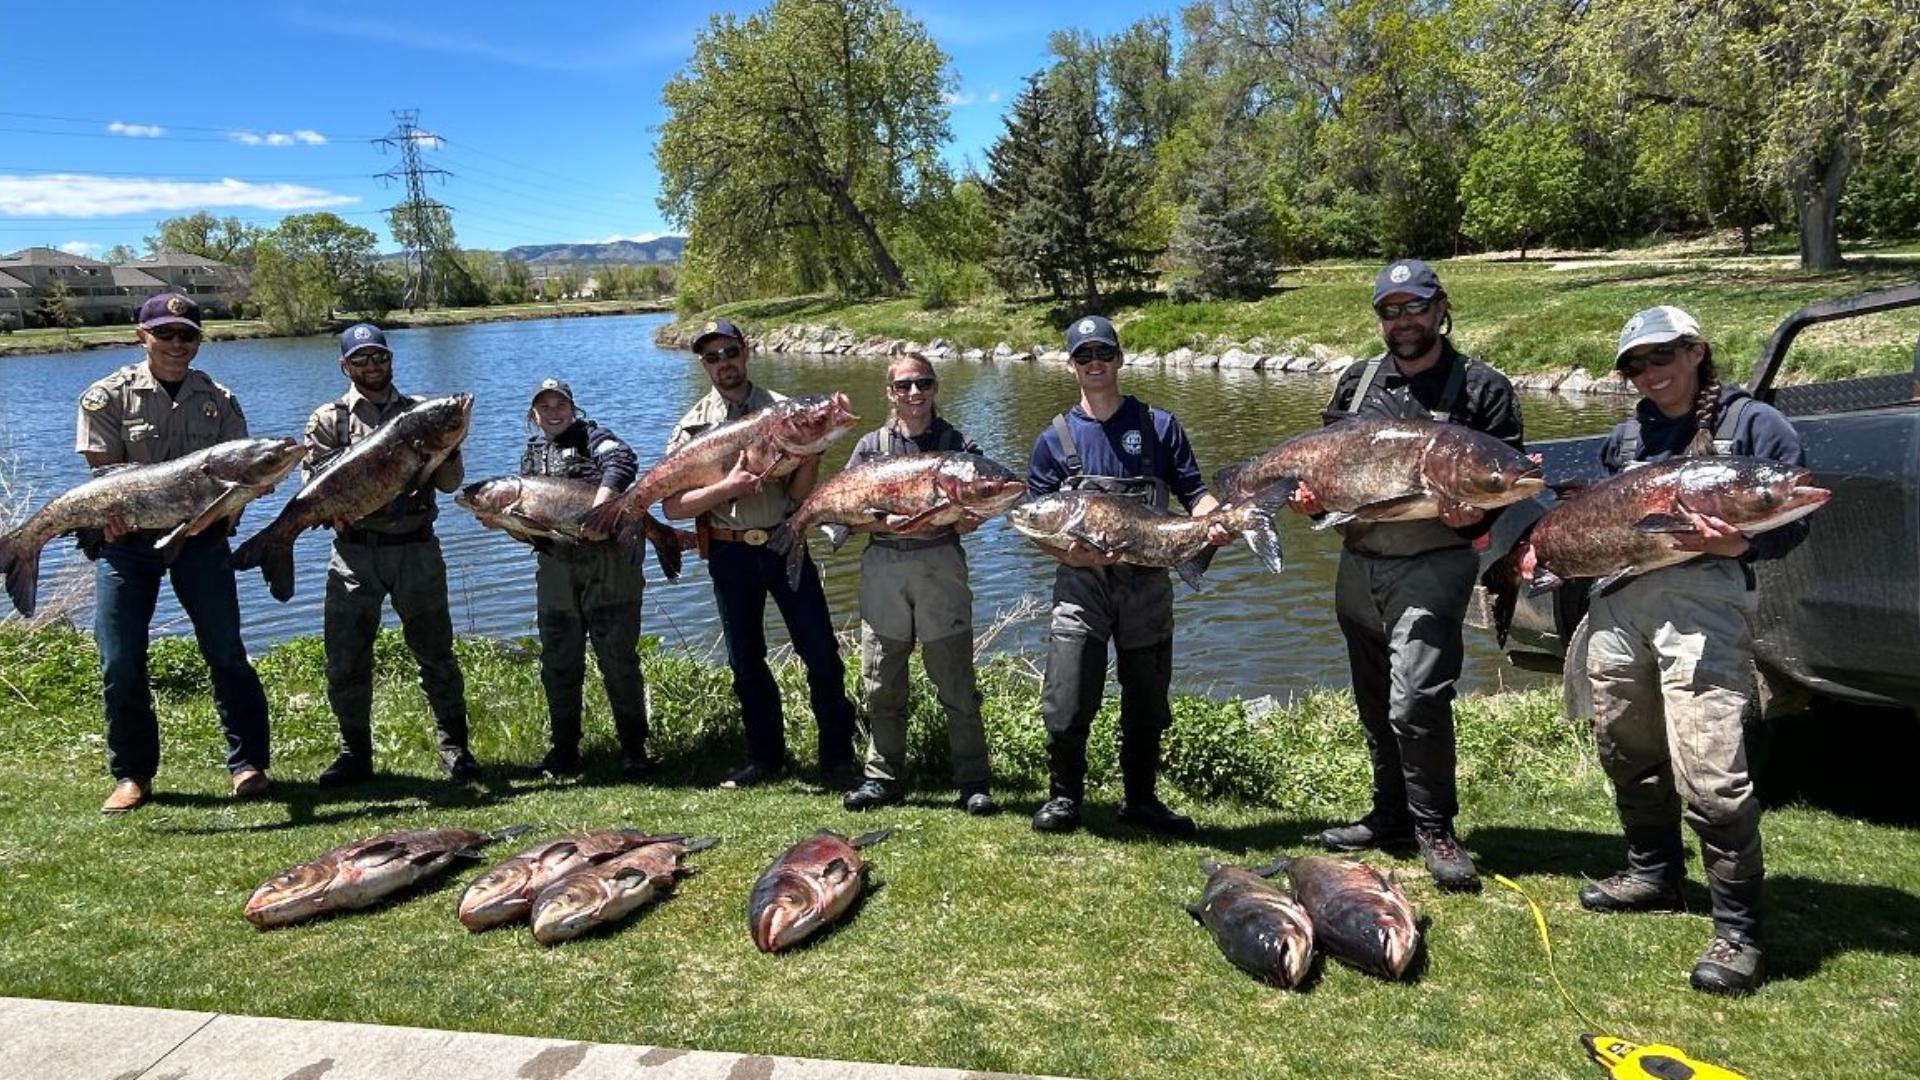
column 94, row 399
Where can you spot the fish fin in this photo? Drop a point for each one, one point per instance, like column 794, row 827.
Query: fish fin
column 606, row 518
column 1614, row 578
column 1387, row 509
column 22, row 568
column 1664, row 523
column 228, row 502
column 1273, row 869
column 782, row 537
column 794, row 548
column 1198, row 911
column 1204, row 558
column 1192, row 573
column 667, row 549
column 274, row 559
column 1332, row 519
column 507, row 832
column 701, row 844
column 1208, row 864
column 869, row 838
column 1544, row 581
column 920, row 518
column 1264, row 539
column 1079, row 531
column 108, row 470
column 837, row 534
column 836, row 869
column 90, row 541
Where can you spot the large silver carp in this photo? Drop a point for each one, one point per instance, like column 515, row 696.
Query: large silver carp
column 187, row 495
column 604, row 893
column 807, row 888
column 1143, row 535
column 1263, row 930
column 505, row 893
column 363, row 872
column 1359, row 914
column 552, row 508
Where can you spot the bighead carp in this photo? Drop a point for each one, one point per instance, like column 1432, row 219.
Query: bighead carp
column 363, row 872
column 807, row 888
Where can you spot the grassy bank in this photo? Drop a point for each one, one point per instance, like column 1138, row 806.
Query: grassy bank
column 987, row 946
column 1521, row 316
column 108, row 337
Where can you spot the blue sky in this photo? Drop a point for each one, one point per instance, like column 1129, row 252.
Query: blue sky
column 117, row 115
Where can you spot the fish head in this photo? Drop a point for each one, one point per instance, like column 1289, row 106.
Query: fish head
column 499, row 893
column 489, row 496
column 567, row 908
column 1753, row 496
column 441, row 423
column 1480, row 470
column 1046, row 515
column 1293, row 946
column 254, row 463
column 981, row 485
column 293, row 895
column 806, row 425
column 786, row 906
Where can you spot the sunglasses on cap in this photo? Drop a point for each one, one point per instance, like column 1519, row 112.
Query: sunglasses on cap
column 369, row 356
column 1659, row 356
column 922, row 383
column 714, row 356
column 1405, row 307
column 175, row 332
column 1104, row 354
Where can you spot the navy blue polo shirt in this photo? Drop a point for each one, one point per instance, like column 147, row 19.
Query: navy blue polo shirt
column 1106, row 449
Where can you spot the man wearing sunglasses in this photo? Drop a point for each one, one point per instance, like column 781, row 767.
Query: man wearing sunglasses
column 734, row 517
column 1403, row 587
column 153, row 411
column 1112, row 444
column 391, row 552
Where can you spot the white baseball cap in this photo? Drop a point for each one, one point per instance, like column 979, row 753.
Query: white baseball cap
column 1655, row 326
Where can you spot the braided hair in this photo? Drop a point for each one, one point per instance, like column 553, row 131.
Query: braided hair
column 1706, row 405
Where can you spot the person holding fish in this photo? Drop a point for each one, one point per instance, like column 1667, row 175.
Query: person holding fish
column 913, row 587
column 735, row 515
column 155, row 410
column 1112, row 444
column 1669, row 654
column 1403, row 586
column 391, row 552
column 585, row 591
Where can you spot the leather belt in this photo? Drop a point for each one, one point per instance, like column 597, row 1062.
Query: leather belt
column 749, row 537
column 914, row 543
column 369, row 538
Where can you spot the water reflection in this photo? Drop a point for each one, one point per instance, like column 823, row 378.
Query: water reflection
column 1251, row 632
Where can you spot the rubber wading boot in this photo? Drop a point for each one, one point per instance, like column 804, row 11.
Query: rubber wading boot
column 1151, row 813
column 1059, row 815
column 354, row 765
column 872, row 795
column 1376, row 830
column 1627, row 891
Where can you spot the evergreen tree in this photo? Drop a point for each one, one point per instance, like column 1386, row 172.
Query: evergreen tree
column 1226, row 242
column 1024, row 250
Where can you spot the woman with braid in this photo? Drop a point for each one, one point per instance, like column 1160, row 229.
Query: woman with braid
column 1670, row 657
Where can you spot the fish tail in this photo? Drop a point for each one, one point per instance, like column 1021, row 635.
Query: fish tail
column 1227, row 480
column 21, row 565
column 1262, row 537
column 666, row 546
column 780, row 539
column 793, row 546
column 507, row 832
column 1277, row 866
column 870, row 838
column 701, row 843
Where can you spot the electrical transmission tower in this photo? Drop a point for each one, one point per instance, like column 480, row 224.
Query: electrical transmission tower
column 422, row 215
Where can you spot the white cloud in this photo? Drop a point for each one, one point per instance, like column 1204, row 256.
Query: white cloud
column 957, row 100
column 638, row 238
column 79, row 247
column 301, row 136
column 426, row 140
column 136, row 131
column 993, row 97
column 81, row 196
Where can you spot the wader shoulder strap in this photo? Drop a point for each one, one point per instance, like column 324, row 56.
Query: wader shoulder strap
column 1456, row 383
column 1146, row 441
column 1726, row 433
column 951, row 440
column 1629, row 442
column 1367, row 375
column 889, row 441
column 1066, row 444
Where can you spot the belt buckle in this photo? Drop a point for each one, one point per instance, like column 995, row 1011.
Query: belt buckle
column 754, row 537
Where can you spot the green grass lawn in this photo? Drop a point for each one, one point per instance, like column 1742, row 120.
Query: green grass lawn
column 1536, row 315
column 986, row 946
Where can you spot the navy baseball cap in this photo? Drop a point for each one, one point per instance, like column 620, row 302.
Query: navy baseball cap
column 362, row 336
column 169, row 309
column 1410, row 276
column 718, row 328
column 1091, row 328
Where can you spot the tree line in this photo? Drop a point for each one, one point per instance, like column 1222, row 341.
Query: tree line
column 1199, row 148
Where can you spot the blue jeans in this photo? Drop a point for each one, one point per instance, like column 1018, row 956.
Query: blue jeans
column 126, row 587
column 743, row 576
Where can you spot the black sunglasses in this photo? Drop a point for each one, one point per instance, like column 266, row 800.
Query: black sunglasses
column 1405, row 307
column 731, row 352
column 1104, row 354
column 175, row 332
column 369, row 356
column 922, row 383
column 1659, row 356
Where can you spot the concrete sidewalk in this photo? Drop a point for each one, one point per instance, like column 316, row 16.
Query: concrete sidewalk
column 57, row 1040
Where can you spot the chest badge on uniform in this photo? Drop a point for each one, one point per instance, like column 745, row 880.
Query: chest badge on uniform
column 94, row 399
column 210, row 411
column 1130, row 442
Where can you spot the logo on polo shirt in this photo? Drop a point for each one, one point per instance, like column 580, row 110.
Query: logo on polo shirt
column 1399, row 274
column 1130, row 442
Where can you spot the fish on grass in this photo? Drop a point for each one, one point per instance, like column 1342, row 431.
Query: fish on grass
column 1359, row 914
column 505, row 893
column 1143, row 535
column 1258, row 926
column 604, row 893
column 395, row 458
column 187, row 496
column 931, row 490
column 1625, row 525
column 551, row 508
column 807, row 888
column 362, row 873
column 1377, row 470
column 772, row 443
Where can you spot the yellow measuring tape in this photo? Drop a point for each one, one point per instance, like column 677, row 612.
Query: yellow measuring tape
column 1622, row 1059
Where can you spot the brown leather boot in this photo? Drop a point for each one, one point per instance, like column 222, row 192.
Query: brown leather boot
column 127, row 795
column 251, row 783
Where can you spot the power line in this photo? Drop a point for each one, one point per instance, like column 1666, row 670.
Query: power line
column 230, row 129
column 38, row 170
column 417, row 209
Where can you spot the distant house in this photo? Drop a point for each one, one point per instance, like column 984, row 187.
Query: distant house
column 215, row 285
column 91, row 292
column 135, row 286
column 13, row 301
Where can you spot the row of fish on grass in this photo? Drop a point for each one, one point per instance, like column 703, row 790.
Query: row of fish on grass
column 1348, row 910
column 1366, row 470
column 568, row 886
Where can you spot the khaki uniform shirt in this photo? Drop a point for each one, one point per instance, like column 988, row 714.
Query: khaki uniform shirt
column 764, row 508
column 129, row 416
column 353, row 417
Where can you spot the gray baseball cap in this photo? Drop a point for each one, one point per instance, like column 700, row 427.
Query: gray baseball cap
column 1655, row 326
